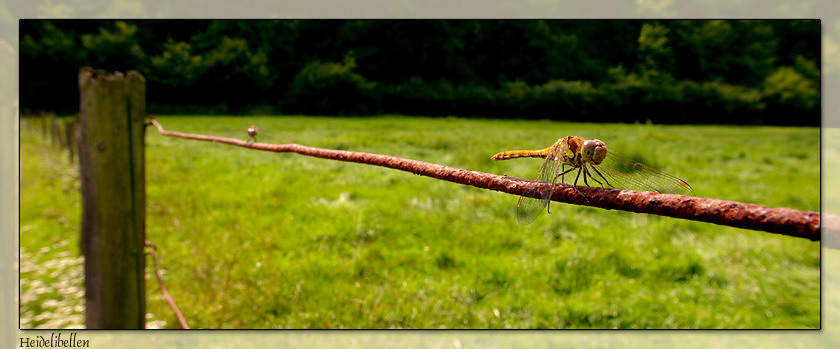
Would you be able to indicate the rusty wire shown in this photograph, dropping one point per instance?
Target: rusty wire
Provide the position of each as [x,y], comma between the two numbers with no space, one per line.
[152,252]
[784,221]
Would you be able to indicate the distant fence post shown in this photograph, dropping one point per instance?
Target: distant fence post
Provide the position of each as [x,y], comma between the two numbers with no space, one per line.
[55,132]
[71,136]
[111,163]
[42,120]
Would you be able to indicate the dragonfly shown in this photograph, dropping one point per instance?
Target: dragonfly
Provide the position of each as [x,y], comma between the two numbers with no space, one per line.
[591,159]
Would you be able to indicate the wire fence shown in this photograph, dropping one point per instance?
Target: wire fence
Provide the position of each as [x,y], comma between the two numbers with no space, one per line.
[61,132]
[153,252]
[784,221]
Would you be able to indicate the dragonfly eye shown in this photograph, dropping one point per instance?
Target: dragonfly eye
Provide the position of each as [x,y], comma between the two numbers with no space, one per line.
[600,154]
[592,143]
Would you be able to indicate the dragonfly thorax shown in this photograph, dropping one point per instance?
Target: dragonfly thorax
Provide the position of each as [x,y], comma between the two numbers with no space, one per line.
[570,148]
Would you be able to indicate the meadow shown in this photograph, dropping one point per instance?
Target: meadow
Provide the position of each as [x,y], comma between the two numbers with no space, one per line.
[251,239]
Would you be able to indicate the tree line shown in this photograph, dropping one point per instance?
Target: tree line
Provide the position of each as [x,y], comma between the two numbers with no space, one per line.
[665,71]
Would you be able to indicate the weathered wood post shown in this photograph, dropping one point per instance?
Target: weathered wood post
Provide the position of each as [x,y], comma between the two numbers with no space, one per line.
[42,119]
[55,133]
[70,137]
[111,159]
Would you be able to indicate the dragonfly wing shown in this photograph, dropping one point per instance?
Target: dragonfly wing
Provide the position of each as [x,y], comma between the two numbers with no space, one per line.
[529,207]
[620,172]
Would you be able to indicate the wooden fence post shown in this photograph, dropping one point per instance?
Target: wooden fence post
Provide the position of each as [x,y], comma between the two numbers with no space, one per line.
[70,137]
[113,198]
[55,133]
[42,119]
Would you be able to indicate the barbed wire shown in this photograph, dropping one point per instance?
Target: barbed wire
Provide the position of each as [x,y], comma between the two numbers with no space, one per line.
[152,252]
[784,221]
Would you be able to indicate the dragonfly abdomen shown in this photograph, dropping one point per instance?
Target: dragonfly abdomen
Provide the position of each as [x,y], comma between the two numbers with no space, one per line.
[513,154]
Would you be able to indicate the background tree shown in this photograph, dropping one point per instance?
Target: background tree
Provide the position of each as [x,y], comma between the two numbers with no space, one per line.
[741,71]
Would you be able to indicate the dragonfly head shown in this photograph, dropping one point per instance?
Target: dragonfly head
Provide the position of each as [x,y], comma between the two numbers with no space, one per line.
[594,150]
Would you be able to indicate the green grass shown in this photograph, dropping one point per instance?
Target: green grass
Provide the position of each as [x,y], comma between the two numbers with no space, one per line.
[251,239]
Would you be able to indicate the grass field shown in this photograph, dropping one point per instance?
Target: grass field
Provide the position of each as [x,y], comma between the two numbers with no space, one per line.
[250,239]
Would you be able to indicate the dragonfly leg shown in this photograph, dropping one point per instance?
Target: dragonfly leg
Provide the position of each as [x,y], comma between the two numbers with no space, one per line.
[584,180]
[592,177]
[553,182]
[564,172]
[602,176]
[585,172]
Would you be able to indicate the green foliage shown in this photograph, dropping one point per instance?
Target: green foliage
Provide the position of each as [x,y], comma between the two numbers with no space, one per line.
[231,61]
[48,52]
[713,102]
[570,99]
[629,70]
[629,97]
[249,239]
[808,68]
[229,72]
[175,66]
[656,58]
[517,95]
[737,52]
[115,49]
[326,87]
[788,87]
[52,42]
[234,73]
